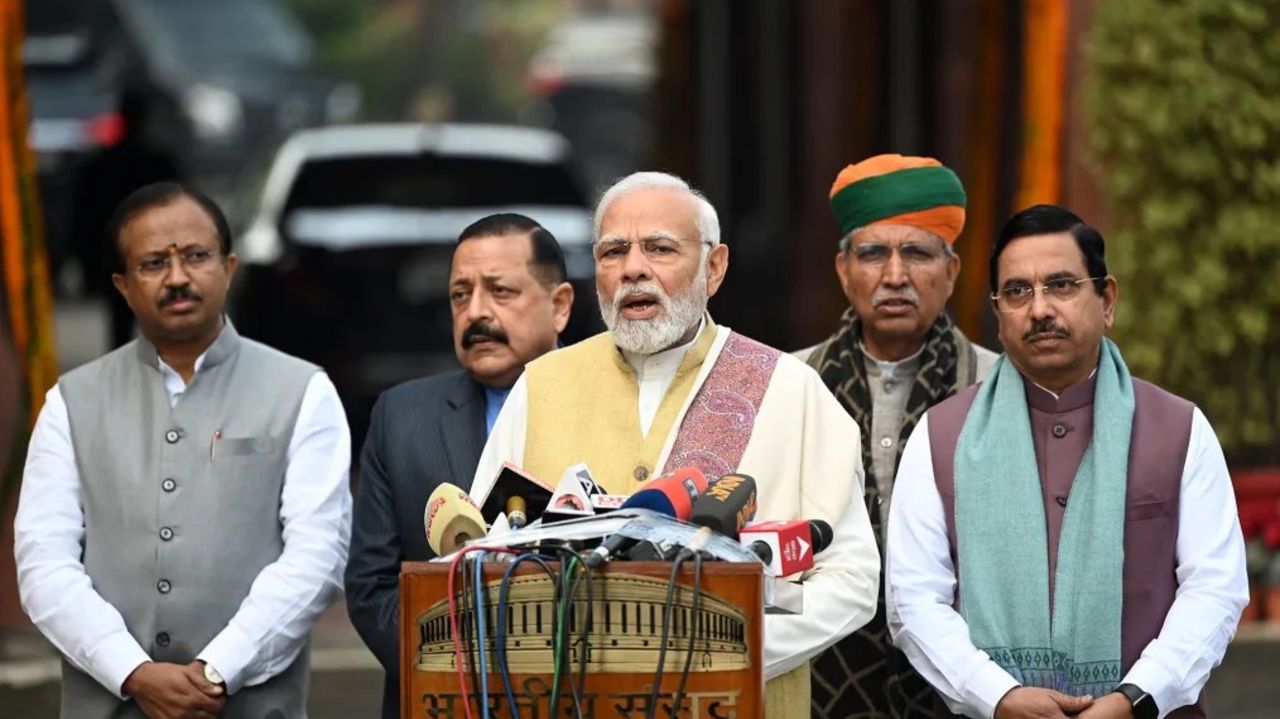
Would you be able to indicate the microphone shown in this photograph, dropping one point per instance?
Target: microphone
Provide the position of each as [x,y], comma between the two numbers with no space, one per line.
[652,551]
[572,498]
[586,481]
[611,546]
[787,546]
[602,503]
[516,517]
[514,483]
[452,519]
[727,505]
[671,494]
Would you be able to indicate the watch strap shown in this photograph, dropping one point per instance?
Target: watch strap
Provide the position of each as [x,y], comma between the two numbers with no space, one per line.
[1144,705]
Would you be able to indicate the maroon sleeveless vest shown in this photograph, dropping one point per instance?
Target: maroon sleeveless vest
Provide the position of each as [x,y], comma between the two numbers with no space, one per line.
[1062,429]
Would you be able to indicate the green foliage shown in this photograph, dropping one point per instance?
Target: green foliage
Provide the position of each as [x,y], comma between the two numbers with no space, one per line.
[1183,103]
[362,42]
[432,59]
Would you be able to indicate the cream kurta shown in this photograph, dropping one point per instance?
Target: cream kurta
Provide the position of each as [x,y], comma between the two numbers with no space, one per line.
[804,453]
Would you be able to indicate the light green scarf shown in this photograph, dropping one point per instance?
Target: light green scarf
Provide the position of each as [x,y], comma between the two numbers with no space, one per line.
[1002,538]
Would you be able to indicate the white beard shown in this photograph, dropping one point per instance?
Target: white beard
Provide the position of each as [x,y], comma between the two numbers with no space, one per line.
[678,314]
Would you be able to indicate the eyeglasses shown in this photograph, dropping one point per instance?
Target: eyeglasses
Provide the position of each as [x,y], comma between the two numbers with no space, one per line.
[657,250]
[1018,296]
[192,259]
[912,253]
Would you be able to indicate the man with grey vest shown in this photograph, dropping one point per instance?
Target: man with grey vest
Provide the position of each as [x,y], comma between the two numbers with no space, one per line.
[184,513]
[1063,538]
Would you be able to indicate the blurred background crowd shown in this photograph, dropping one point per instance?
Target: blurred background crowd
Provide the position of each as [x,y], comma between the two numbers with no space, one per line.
[351,140]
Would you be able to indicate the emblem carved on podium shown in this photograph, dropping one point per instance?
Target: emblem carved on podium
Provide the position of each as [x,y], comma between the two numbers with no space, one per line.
[626,635]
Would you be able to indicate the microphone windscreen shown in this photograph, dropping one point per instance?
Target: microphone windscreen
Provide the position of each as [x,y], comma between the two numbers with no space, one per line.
[671,494]
[727,505]
[451,519]
[822,534]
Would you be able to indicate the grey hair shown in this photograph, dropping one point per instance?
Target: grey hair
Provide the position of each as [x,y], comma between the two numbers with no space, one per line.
[846,243]
[707,220]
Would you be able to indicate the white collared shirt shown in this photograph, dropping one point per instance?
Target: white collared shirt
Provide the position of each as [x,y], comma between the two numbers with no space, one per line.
[654,374]
[920,584]
[273,622]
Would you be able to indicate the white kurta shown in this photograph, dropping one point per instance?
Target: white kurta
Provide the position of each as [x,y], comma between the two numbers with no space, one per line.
[805,455]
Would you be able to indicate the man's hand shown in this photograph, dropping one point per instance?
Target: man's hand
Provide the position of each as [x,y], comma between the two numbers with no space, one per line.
[174,691]
[1033,703]
[1112,706]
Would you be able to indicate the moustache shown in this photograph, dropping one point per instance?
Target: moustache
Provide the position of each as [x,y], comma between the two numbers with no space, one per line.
[482,329]
[1044,327]
[631,289]
[906,294]
[177,294]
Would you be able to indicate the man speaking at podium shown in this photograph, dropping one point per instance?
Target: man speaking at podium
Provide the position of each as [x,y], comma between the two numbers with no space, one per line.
[666,387]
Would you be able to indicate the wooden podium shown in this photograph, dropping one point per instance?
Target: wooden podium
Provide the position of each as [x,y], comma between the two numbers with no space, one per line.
[725,681]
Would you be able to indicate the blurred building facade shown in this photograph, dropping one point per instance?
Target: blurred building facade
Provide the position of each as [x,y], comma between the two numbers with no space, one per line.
[762,103]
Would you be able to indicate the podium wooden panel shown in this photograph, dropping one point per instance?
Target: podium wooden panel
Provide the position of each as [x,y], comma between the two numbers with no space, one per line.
[726,681]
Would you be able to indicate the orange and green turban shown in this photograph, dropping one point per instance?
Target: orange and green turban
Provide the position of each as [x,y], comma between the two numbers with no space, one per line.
[899,190]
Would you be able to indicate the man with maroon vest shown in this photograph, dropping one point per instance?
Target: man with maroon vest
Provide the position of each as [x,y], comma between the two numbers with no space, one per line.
[1063,538]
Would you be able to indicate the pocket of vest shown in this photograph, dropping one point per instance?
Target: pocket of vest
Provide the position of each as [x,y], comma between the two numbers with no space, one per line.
[240,446]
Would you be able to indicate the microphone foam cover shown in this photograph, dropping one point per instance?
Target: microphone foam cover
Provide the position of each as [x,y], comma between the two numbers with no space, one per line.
[822,534]
[451,519]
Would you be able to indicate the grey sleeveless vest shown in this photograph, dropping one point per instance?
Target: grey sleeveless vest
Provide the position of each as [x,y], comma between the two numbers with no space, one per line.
[178,524]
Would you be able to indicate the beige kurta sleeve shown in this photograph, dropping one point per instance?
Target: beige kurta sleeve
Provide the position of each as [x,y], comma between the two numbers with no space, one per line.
[805,454]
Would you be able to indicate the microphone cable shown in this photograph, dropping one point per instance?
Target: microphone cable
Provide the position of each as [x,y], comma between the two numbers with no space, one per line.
[503,611]
[561,642]
[571,559]
[481,632]
[453,615]
[577,688]
[470,623]
[585,638]
[652,709]
[693,631]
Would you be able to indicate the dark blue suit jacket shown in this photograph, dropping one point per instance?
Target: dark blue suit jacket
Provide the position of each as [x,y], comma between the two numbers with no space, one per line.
[422,433]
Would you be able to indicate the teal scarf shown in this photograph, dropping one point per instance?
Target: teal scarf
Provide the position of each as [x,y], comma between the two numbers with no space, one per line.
[1002,538]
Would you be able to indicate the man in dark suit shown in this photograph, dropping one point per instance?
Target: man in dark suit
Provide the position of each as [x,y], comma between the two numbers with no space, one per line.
[510,301]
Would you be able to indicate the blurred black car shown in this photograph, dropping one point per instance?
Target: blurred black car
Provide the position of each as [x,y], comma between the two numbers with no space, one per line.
[77,61]
[223,81]
[242,74]
[346,263]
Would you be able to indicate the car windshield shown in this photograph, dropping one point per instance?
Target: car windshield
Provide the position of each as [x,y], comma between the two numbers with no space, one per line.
[351,203]
[198,33]
[431,181]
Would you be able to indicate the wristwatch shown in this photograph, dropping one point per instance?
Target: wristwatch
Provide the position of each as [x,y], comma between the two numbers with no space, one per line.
[214,677]
[1144,705]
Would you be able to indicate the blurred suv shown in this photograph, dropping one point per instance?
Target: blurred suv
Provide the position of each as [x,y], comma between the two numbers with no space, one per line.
[346,263]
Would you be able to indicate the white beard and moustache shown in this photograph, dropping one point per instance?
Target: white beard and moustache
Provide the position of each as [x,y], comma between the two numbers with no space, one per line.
[679,313]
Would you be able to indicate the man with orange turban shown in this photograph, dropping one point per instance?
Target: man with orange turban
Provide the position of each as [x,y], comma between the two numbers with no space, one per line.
[896,354]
